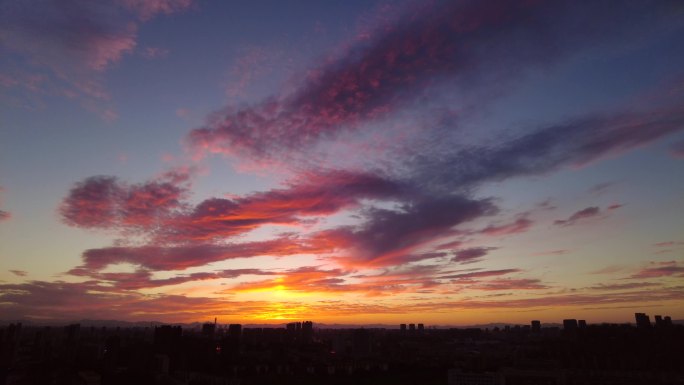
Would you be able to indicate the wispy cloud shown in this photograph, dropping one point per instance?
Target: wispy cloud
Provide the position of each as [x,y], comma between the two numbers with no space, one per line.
[377,76]
[677,150]
[62,48]
[623,286]
[586,214]
[660,269]
[471,255]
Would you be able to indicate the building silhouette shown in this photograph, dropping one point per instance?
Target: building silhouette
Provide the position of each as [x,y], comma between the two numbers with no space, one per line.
[536,326]
[569,324]
[642,320]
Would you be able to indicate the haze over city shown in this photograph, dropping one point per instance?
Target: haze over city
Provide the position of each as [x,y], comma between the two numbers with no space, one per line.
[352,162]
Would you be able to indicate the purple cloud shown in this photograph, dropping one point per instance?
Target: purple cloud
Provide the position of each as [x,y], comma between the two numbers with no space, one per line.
[471,255]
[677,150]
[60,48]
[547,149]
[520,225]
[660,269]
[589,212]
[388,237]
[428,45]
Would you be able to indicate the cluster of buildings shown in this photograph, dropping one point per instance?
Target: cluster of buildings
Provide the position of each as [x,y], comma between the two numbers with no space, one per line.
[300,353]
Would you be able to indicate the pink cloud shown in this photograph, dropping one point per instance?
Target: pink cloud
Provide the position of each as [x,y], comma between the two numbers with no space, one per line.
[147,9]
[158,206]
[660,269]
[105,202]
[154,52]
[386,71]
[62,49]
[185,256]
[519,226]
[19,273]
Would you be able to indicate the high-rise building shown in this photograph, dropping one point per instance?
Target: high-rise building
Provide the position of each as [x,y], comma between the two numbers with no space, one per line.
[659,321]
[208,329]
[421,327]
[402,327]
[642,320]
[234,331]
[307,331]
[569,324]
[582,324]
[536,326]
[412,327]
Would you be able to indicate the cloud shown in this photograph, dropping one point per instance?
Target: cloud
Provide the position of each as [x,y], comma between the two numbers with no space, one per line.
[18,273]
[389,237]
[551,252]
[601,188]
[545,149]
[307,279]
[4,215]
[471,255]
[141,279]
[54,33]
[146,9]
[185,256]
[623,286]
[608,270]
[519,226]
[669,244]
[105,202]
[68,301]
[157,206]
[311,195]
[511,284]
[429,45]
[661,269]
[154,52]
[480,274]
[589,212]
[62,48]
[677,150]
[584,214]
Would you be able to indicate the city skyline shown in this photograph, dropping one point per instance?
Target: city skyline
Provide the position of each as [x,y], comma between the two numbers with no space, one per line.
[365,162]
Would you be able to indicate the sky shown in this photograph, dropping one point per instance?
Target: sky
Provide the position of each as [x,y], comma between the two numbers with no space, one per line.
[356,162]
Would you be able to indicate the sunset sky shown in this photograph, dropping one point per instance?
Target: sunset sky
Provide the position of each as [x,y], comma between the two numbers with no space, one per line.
[351,162]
